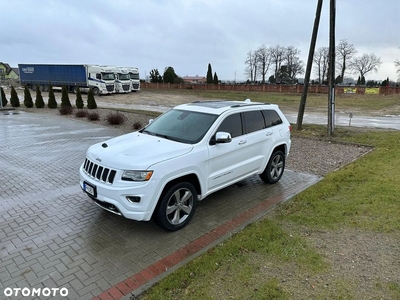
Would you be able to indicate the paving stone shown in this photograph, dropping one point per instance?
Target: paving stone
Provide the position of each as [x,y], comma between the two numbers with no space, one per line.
[51,233]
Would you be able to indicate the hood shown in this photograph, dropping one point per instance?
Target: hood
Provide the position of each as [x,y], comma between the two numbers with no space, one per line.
[136,151]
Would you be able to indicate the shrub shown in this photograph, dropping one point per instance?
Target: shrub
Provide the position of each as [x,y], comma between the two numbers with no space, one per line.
[81,113]
[52,103]
[39,103]
[14,100]
[65,110]
[27,98]
[79,101]
[115,118]
[137,125]
[3,97]
[91,102]
[93,116]
[64,97]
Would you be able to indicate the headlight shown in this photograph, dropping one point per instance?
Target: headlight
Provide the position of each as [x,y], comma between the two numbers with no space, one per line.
[131,175]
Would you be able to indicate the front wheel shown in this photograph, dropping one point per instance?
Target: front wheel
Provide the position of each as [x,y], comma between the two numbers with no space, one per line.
[96,91]
[176,207]
[274,169]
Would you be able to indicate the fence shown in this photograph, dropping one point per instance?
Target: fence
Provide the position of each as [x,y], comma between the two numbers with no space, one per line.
[277,88]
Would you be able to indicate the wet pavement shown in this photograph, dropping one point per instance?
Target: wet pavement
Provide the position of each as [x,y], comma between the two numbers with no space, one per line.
[53,236]
[341,118]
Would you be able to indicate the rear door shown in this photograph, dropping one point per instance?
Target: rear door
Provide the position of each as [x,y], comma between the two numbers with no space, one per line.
[245,154]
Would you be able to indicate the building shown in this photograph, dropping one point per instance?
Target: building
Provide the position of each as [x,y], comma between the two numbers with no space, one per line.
[194,79]
[6,72]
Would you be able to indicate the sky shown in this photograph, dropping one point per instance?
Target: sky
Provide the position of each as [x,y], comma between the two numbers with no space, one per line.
[189,34]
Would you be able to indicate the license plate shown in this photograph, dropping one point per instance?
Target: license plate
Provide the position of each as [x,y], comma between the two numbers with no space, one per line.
[90,189]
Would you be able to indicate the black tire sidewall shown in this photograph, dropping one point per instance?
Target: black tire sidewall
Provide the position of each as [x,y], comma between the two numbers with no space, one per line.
[160,213]
[266,175]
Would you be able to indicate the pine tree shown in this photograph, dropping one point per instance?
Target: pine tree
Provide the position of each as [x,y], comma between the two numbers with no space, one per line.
[215,81]
[27,98]
[52,103]
[362,80]
[79,101]
[39,103]
[359,80]
[14,100]
[209,74]
[3,97]
[91,102]
[65,98]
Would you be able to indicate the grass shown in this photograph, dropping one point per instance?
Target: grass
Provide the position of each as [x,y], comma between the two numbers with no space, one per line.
[347,102]
[361,196]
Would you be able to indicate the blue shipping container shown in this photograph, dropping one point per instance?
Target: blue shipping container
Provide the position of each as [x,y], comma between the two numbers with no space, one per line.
[57,75]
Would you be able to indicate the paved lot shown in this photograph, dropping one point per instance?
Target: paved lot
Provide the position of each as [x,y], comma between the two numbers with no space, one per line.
[53,236]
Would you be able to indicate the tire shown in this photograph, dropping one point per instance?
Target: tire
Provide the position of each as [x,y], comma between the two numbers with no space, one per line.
[274,169]
[176,206]
[96,91]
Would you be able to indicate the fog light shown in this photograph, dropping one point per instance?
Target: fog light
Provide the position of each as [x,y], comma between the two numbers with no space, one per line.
[133,199]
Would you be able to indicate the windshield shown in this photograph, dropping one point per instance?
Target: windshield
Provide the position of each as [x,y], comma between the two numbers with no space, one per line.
[135,76]
[108,76]
[123,76]
[180,125]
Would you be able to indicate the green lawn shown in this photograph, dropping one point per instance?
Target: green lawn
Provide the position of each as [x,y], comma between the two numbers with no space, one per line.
[362,197]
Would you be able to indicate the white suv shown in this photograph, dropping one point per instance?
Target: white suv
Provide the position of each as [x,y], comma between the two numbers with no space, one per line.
[184,155]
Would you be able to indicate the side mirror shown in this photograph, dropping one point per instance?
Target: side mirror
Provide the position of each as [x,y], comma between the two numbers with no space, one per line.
[151,120]
[222,137]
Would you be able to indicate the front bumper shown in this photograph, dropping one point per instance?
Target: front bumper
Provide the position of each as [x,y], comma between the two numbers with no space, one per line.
[113,197]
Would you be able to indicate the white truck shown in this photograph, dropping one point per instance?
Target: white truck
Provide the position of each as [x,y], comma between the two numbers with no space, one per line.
[99,79]
[122,80]
[135,79]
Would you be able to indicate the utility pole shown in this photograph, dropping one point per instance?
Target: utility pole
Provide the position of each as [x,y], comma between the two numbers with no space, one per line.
[332,53]
[309,65]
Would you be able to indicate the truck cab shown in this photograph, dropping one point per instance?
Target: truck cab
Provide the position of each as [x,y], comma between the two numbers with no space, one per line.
[135,79]
[101,79]
[122,80]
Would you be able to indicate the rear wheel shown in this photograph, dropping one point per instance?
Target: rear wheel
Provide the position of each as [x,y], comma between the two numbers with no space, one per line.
[176,207]
[274,169]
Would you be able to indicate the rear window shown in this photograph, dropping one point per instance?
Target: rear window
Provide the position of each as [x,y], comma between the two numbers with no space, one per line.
[253,120]
[271,118]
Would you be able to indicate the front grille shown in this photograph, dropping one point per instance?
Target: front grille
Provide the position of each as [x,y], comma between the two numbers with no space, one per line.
[135,86]
[125,87]
[110,88]
[98,172]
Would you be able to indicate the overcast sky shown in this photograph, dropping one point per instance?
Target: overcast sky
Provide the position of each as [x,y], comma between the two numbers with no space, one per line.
[189,34]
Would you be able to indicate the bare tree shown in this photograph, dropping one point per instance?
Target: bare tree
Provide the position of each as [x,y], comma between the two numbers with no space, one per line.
[344,52]
[321,63]
[294,65]
[397,65]
[263,58]
[277,57]
[365,64]
[251,68]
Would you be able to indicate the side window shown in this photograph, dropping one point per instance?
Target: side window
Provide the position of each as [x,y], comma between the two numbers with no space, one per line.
[232,124]
[271,118]
[253,120]
[98,76]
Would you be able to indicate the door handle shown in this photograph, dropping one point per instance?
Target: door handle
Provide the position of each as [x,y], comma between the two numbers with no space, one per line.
[242,142]
[268,133]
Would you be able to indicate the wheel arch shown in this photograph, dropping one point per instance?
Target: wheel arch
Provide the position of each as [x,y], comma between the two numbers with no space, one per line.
[191,178]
